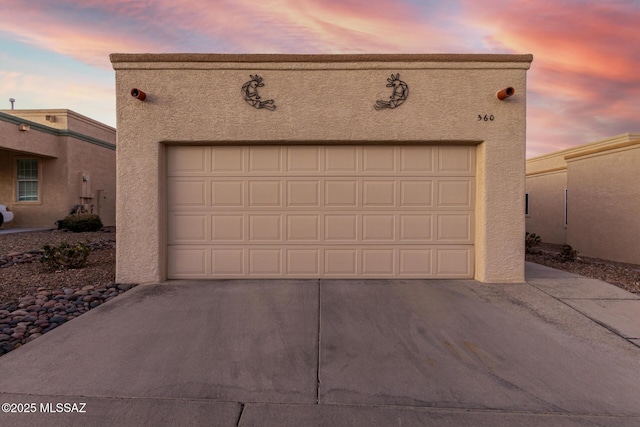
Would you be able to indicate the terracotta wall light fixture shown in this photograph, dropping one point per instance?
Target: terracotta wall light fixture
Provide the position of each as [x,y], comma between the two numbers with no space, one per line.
[505,93]
[138,94]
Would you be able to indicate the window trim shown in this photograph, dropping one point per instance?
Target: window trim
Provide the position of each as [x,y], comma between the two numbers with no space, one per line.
[38,181]
[527,206]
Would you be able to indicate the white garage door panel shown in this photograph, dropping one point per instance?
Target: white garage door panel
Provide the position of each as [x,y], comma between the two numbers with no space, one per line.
[318,211]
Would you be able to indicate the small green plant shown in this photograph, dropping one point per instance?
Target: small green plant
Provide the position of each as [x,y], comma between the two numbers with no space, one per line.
[567,254]
[531,243]
[65,256]
[80,222]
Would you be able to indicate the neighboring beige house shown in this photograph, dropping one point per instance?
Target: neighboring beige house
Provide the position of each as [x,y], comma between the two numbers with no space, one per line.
[588,197]
[52,161]
[320,166]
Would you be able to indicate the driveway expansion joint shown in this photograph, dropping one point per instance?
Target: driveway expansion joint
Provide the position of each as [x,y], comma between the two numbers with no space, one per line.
[599,299]
[565,301]
[319,343]
[242,405]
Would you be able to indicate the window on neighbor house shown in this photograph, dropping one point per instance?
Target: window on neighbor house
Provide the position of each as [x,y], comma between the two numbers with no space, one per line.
[27,180]
[526,204]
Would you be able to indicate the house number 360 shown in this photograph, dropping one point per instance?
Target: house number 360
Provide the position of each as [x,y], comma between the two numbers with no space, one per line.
[485,118]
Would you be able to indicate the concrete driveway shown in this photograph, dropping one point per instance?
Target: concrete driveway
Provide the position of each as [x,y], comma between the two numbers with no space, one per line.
[558,350]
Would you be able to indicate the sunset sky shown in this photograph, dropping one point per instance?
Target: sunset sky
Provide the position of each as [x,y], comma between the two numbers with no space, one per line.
[583,85]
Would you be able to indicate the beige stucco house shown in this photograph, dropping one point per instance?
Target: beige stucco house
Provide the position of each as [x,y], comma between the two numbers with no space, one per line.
[588,197]
[52,161]
[320,166]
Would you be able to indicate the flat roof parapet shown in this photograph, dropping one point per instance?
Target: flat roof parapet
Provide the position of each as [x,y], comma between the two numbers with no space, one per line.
[324,61]
[278,57]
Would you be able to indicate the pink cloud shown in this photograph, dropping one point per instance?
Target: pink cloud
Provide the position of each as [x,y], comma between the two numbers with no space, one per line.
[82,40]
[583,82]
[89,30]
[592,39]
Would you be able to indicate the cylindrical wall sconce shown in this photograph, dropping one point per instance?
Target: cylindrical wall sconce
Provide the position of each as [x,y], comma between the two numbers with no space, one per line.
[505,93]
[138,94]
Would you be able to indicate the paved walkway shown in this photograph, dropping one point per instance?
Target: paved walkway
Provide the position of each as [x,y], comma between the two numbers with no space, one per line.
[559,350]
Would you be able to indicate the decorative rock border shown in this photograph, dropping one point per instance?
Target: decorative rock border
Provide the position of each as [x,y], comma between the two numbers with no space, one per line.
[34,315]
[34,255]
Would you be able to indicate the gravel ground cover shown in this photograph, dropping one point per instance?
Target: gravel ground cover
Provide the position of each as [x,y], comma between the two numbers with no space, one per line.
[35,299]
[25,274]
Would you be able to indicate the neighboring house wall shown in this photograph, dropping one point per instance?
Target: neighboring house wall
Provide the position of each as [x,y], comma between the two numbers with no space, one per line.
[604,201]
[65,146]
[321,100]
[603,191]
[546,205]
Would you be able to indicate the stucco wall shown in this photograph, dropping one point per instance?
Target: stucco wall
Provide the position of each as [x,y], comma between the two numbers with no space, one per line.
[86,126]
[603,183]
[546,205]
[99,164]
[60,185]
[604,204]
[196,99]
[31,141]
[63,119]
[62,156]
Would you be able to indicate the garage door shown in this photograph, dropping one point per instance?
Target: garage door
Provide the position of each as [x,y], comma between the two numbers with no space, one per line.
[320,211]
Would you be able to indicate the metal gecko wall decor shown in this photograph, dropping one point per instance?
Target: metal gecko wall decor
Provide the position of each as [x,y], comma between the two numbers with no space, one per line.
[250,94]
[399,95]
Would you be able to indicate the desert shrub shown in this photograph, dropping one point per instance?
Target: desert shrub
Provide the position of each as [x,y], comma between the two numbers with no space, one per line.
[567,254]
[531,243]
[80,222]
[65,256]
